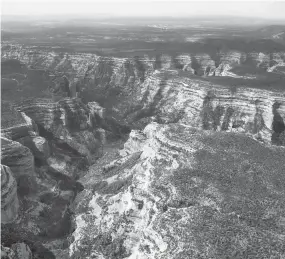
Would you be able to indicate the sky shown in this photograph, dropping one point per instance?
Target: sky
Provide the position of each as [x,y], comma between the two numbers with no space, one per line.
[270,9]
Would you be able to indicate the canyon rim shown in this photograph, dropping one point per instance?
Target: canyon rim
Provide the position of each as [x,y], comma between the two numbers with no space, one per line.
[151,137]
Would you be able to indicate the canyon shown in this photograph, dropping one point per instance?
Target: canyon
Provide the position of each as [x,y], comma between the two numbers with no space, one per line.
[155,156]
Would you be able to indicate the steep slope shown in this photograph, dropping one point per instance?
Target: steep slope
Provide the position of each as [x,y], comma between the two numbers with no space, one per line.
[168,98]
[44,153]
[66,124]
[175,189]
[21,162]
[179,192]
[9,198]
[82,68]
[122,86]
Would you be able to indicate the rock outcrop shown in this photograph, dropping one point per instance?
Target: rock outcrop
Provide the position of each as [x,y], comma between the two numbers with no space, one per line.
[126,71]
[25,131]
[193,186]
[66,126]
[179,192]
[209,106]
[9,197]
[96,109]
[38,145]
[47,151]
[21,162]
[23,127]
[17,251]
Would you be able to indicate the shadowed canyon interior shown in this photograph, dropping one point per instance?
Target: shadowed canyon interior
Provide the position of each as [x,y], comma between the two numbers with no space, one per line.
[142,141]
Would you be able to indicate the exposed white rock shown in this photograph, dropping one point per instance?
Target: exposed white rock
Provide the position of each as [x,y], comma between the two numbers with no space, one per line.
[95,108]
[156,215]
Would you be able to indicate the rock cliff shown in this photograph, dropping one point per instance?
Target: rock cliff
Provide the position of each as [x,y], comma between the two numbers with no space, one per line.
[22,251]
[66,125]
[124,86]
[24,131]
[209,106]
[179,192]
[21,162]
[47,150]
[84,68]
[17,251]
[9,197]
[196,185]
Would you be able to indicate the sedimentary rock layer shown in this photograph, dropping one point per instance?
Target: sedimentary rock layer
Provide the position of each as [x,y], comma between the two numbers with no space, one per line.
[126,71]
[201,104]
[66,121]
[25,127]
[9,197]
[21,162]
[182,193]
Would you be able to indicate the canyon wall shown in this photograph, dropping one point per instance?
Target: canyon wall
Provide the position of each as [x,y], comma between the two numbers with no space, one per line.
[136,91]
[179,178]
[81,68]
[43,154]
[208,106]
[179,192]
[9,197]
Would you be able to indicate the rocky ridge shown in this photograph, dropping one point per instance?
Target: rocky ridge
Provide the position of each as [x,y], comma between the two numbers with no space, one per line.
[211,107]
[176,192]
[42,157]
[84,67]
[143,203]
[66,121]
[139,90]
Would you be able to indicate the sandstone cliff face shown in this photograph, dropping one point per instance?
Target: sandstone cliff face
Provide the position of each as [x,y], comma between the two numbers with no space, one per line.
[25,131]
[122,85]
[164,196]
[64,123]
[9,198]
[207,106]
[21,162]
[179,192]
[83,69]
[47,152]
[22,128]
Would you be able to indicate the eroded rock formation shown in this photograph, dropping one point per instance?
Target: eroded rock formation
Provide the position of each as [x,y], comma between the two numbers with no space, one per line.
[208,106]
[47,150]
[123,71]
[21,162]
[179,192]
[9,197]
[66,125]
[190,185]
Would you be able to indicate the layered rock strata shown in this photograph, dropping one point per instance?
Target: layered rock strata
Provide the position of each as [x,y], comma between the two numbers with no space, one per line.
[25,127]
[47,151]
[21,162]
[208,106]
[81,68]
[66,122]
[25,131]
[182,193]
[9,197]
